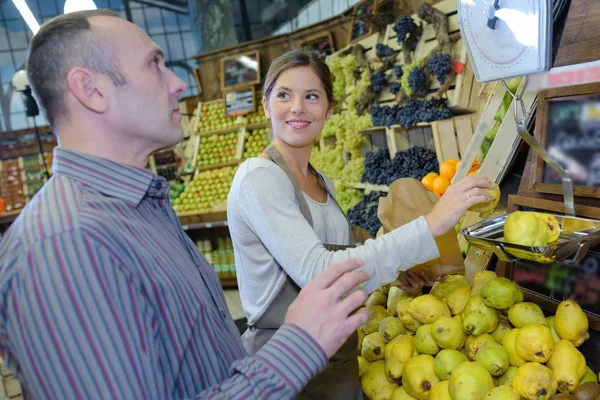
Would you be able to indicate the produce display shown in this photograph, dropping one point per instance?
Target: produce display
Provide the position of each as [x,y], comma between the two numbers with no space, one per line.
[217,149]
[364,213]
[413,112]
[439,182]
[175,190]
[347,197]
[214,118]
[415,162]
[255,141]
[207,191]
[472,341]
[255,117]
[531,228]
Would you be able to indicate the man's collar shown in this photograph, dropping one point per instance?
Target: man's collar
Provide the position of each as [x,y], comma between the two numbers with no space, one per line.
[108,177]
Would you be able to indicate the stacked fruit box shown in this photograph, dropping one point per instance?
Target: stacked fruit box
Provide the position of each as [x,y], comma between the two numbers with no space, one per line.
[11,185]
[255,141]
[32,174]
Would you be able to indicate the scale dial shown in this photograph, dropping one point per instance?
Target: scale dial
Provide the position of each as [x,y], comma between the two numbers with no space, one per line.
[506,38]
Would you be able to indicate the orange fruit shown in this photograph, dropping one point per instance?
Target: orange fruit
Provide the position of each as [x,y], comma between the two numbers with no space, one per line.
[448,169]
[428,180]
[440,184]
[453,161]
[472,172]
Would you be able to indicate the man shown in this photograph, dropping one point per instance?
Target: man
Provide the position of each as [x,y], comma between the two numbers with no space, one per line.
[103,296]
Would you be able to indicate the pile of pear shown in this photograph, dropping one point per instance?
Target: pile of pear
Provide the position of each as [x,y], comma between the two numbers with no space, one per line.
[474,341]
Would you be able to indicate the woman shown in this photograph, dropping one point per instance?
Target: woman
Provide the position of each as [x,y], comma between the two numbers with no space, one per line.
[286,226]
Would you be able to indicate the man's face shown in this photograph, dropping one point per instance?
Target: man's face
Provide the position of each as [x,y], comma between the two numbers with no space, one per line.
[146,108]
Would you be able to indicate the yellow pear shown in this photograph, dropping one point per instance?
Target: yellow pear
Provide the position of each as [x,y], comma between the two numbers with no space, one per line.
[473,343]
[374,380]
[534,342]
[377,298]
[479,279]
[424,342]
[448,332]
[470,381]
[508,376]
[550,321]
[391,327]
[477,318]
[372,347]
[534,381]
[503,393]
[396,354]
[504,326]
[361,337]
[488,205]
[571,323]
[427,309]
[493,357]
[409,322]
[363,365]
[440,391]
[552,225]
[419,376]
[501,293]
[509,344]
[387,392]
[376,315]
[453,282]
[590,376]
[400,394]
[568,365]
[446,361]
[525,229]
[457,299]
[394,293]
[522,314]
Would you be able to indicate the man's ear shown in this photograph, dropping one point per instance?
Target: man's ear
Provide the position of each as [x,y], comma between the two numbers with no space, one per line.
[87,87]
[266,107]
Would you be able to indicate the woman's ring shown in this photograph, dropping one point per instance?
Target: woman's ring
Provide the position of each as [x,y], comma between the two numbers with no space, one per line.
[468,197]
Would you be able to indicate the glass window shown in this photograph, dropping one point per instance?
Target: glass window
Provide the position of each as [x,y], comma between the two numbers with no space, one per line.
[314,12]
[326,9]
[7,69]
[48,8]
[161,41]
[176,46]
[20,57]
[184,22]
[16,33]
[10,11]
[16,103]
[170,19]
[339,6]
[302,19]
[137,15]
[18,121]
[3,39]
[153,20]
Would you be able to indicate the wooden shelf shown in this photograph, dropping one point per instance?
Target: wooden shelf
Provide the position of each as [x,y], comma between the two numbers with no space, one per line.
[223,131]
[222,165]
[194,218]
[228,282]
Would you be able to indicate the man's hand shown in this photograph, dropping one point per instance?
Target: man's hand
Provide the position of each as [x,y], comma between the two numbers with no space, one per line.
[324,307]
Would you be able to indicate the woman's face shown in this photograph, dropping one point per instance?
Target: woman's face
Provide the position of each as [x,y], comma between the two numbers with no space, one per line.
[298,107]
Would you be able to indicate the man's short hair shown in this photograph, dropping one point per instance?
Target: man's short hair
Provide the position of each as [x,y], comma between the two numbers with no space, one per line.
[63,43]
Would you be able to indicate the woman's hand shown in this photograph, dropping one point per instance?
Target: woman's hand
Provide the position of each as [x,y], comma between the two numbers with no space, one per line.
[457,199]
[415,280]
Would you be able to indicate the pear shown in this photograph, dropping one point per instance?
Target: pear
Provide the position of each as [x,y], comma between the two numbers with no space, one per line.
[477,318]
[522,314]
[446,361]
[503,393]
[393,294]
[493,357]
[448,332]
[376,298]
[419,377]
[501,293]
[410,323]
[473,343]
[391,327]
[534,342]
[525,229]
[374,380]
[479,279]
[400,394]
[470,381]
[427,309]
[372,347]
[396,354]
[440,391]
[361,337]
[453,282]
[363,365]
[590,376]
[571,323]
[508,376]
[488,205]
[385,289]
[387,392]
[552,225]
[534,381]
[568,365]
[376,315]
[509,344]
[393,306]
[424,342]
[552,327]
[504,326]
[457,299]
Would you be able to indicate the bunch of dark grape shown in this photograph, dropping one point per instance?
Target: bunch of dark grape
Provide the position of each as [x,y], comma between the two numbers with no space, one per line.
[440,65]
[364,214]
[378,81]
[415,162]
[413,112]
[417,80]
[403,26]
[377,167]
[382,51]
[398,71]
[395,88]
[384,116]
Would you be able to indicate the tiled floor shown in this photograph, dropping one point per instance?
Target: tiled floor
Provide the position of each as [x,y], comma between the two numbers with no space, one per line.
[234,303]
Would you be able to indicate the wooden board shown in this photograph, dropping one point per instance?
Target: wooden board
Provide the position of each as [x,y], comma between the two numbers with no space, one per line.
[444,136]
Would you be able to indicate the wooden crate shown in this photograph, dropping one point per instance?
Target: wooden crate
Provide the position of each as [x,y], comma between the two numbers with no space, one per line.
[452,137]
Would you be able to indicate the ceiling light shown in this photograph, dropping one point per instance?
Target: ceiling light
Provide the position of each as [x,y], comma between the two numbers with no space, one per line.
[79,5]
[27,15]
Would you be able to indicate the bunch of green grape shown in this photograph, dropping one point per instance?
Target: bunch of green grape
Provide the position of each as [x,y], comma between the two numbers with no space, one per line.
[342,69]
[363,83]
[346,196]
[353,170]
[329,161]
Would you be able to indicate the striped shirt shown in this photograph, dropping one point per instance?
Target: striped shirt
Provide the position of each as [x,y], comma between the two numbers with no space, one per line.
[103,296]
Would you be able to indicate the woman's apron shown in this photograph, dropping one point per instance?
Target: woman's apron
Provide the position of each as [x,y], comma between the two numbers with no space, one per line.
[339,380]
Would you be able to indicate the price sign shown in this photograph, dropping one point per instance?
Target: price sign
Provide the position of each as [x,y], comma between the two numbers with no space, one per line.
[240,70]
[240,102]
